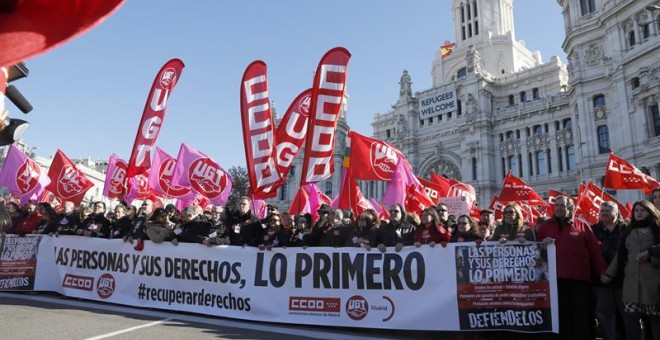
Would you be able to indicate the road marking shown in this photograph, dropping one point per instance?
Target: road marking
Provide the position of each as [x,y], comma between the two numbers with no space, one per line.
[107,335]
[294,330]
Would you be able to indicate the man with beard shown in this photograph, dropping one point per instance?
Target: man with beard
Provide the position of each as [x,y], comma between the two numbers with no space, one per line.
[245,229]
[578,258]
[121,224]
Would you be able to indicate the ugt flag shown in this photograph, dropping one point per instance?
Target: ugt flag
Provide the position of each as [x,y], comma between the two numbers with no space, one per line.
[22,176]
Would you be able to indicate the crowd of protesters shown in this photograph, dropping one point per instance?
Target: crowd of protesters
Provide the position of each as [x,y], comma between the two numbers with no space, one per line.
[610,270]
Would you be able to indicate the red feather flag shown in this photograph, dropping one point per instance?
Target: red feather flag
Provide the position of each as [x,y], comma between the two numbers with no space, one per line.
[153,116]
[258,132]
[325,108]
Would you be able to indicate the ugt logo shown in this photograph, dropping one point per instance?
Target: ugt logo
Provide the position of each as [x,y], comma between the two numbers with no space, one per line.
[383,159]
[206,177]
[28,176]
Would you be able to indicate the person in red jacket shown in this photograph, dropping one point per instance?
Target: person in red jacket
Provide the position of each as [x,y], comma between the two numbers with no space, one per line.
[431,230]
[30,222]
[578,260]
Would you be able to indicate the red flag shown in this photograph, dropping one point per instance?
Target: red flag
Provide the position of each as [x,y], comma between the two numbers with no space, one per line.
[552,197]
[258,132]
[115,178]
[589,200]
[433,190]
[66,181]
[325,108]
[497,207]
[515,190]
[300,203]
[291,132]
[30,28]
[351,197]
[153,116]
[370,158]
[619,174]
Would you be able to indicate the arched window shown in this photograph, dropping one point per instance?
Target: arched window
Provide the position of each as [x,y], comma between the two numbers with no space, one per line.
[567,123]
[523,96]
[535,94]
[634,83]
[603,139]
[461,73]
[599,100]
[512,100]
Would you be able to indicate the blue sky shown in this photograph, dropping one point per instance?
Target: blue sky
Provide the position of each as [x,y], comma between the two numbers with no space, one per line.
[88,95]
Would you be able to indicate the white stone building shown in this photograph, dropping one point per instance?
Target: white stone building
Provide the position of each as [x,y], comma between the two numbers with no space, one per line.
[551,124]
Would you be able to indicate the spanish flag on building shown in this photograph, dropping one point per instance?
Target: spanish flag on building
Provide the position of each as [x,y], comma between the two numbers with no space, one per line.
[446,49]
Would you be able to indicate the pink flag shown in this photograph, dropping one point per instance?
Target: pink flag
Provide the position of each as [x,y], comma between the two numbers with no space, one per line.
[115,178]
[259,208]
[160,177]
[300,203]
[200,173]
[22,176]
[137,187]
[197,200]
[405,189]
[383,213]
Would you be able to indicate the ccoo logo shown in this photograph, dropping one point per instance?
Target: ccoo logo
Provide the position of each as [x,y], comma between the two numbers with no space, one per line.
[383,160]
[207,178]
[27,176]
[357,307]
[105,286]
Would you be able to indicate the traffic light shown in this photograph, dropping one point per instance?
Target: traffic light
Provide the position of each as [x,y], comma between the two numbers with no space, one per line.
[12,129]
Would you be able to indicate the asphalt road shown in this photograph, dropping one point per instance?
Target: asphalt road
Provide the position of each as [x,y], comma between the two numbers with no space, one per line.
[50,316]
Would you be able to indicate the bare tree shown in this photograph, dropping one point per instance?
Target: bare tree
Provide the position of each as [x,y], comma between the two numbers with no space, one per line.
[240,184]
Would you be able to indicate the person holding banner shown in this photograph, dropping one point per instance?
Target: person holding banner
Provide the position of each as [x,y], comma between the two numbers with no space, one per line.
[158,228]
[48,223]
[275,235]
[332,232]
[120,226]
[513,226]
[300,236]
[245,228]
[431,230]
[96,225]
[486,223]
[396,233]
[641,283]
[467,230]
[609,304]
[69,220]
[360,235]
[578,259]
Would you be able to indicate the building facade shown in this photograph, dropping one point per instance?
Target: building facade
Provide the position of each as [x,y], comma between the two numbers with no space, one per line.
[496,107]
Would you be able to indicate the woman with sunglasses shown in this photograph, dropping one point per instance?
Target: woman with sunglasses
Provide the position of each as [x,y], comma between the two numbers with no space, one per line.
[513,226]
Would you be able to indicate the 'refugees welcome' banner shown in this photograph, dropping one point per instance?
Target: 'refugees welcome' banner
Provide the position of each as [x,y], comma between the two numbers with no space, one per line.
[473,287]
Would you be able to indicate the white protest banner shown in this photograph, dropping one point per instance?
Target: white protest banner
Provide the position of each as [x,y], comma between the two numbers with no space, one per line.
[347,287]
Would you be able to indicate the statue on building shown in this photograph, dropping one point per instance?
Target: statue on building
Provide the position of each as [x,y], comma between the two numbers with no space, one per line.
[401,127]
[473,60]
